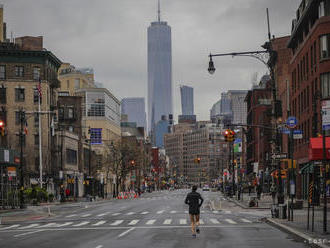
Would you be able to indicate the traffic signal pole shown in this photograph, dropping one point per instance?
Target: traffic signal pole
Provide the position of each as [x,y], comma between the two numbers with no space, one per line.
[21,115]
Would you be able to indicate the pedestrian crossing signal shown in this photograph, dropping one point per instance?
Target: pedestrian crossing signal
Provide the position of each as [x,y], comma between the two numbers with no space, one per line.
[2,128]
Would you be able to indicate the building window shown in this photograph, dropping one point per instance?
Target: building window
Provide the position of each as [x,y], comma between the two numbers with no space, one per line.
[77,83]
[36,139]
[70,113]
[19,71]
[19,95]
[36,163]
[36,73]
[71,156]
[61,114]
[63,93]
[36,96]
[325,84]
[2,72]
[324,46]
[324,8]
[67,84]
[3,95]
[96,136]
[36,120]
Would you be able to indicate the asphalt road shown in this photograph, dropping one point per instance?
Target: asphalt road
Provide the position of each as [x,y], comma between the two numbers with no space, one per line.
[157,219]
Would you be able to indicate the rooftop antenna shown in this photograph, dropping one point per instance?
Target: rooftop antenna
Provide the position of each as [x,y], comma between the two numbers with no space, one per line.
[158,10]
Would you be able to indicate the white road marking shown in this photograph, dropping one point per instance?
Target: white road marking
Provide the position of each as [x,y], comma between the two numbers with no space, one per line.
[29,226]
[124,233]
[99,246]
[183,221]
[81,223]
[115,214]
[23,234]
[160,212]
[230,221]
[186,212]
[145,212]
[48,225]
[214,221]
[117,222]
[65,224]
[173,212]
[72,215]
[215,212]
[167,221]
[227,212]
[201,222]
[99,223]
[133,222]
[99,215]
[202,211]
[130,213]
[86,215]
[9,227]
[150,222]
[247,221]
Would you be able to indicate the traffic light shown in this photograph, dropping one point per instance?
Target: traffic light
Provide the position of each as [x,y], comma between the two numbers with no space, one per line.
[133,162]
[232,135]
[227,135]
[197,160]
[2,128]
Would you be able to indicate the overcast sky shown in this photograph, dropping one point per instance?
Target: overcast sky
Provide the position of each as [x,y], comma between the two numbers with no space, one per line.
[111,37]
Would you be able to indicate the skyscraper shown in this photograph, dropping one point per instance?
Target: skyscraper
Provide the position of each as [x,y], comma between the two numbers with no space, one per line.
[187,100]
[159,71]
[134,108]
[238,105]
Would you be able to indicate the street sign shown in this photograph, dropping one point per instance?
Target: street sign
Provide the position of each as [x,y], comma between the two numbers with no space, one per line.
[284,130]
[326,115]
[279,156]
[291,122]
[297,134]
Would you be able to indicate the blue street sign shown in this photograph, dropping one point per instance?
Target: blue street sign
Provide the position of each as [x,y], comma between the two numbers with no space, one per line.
[297,131]
[291,122]
[284,130]
[326,127]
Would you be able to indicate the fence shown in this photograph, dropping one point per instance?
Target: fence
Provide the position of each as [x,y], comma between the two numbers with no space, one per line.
[9,190]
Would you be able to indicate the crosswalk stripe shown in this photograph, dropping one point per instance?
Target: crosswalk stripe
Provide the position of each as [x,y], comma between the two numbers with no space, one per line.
[215,212]
[186,212]
[130,213]
[9,227]
[99,223]
[160,212]
[81,223]
[167,221]
[202,211]
[230,221]
[150,222]
[99,215]
[72,215]
[145,212]
[117,222]
[201,222]
[173,212]
[183,221]
[48,225]
[247,221]
[86,215]
[29,226]
[214,221]
[133,222]
[115,214]
[64,224]
[227,212]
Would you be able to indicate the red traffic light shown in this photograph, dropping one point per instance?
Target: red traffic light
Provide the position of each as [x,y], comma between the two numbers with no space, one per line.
[2,124]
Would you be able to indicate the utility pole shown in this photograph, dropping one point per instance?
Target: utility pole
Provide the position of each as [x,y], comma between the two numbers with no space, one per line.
[22,119]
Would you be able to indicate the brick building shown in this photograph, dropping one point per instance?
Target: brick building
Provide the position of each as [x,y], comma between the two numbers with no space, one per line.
[310,80]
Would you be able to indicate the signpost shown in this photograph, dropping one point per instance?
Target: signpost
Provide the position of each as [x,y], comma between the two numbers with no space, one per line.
[326,115]
[279,156]
[292,122]
[297,134]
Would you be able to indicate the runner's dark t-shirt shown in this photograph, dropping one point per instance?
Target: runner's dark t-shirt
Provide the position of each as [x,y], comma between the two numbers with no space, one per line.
[192,200]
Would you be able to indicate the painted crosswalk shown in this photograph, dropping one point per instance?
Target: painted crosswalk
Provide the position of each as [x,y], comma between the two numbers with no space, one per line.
[129,222]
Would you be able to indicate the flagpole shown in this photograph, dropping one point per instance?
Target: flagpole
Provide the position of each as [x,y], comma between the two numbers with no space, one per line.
[40,150]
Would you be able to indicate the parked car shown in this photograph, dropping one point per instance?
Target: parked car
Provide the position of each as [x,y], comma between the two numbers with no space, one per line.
[206,188]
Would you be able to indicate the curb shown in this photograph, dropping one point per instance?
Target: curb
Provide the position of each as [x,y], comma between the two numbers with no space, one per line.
[244,206]
[306,239]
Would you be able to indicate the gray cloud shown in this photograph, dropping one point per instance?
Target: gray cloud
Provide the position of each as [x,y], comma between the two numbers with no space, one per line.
[111,37]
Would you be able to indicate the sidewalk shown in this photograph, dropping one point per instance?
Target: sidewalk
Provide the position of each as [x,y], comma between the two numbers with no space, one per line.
[298,226]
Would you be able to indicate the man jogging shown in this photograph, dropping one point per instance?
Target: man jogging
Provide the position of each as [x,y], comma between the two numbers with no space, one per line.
[195,201]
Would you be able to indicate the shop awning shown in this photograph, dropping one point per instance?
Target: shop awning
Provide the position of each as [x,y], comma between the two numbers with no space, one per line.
[315,150]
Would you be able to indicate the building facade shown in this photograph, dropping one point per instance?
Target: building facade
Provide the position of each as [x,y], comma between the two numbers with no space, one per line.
[238,106]
[187,100]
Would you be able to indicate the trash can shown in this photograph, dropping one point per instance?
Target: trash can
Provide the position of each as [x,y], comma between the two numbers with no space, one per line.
[282,211]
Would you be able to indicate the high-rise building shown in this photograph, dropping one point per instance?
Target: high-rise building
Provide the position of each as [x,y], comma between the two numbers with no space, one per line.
[187,100]
[159,72]
[134,108]
[238,106]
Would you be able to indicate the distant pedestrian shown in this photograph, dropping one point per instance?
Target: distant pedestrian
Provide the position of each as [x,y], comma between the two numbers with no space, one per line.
[259,191]
[250,188]
[195,201]
[273,190]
